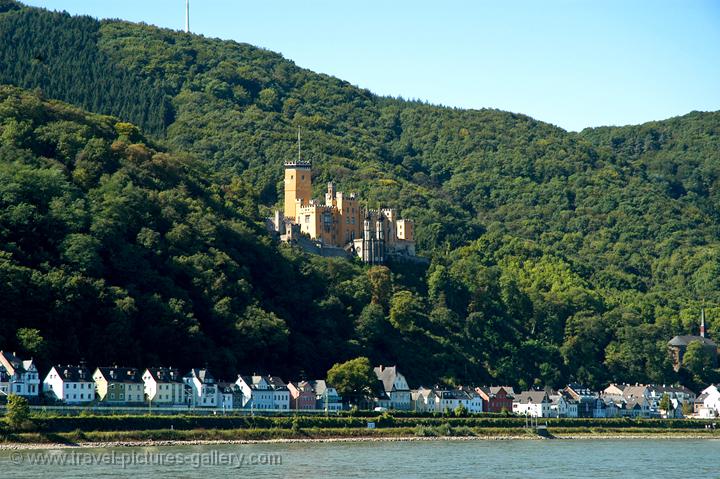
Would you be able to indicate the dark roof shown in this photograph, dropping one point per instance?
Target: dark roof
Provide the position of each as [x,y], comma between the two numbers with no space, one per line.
[203,375]
[685,340]
[275,382]
[379,391]
[535,396]
[73,374]
[13,364]
[671,389]
[120,375]
[228,387]
[387,374]
[165,375]
[580,389]
[492,391]
[453,394]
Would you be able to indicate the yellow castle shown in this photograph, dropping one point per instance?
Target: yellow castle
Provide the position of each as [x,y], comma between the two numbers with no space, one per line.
[339,225]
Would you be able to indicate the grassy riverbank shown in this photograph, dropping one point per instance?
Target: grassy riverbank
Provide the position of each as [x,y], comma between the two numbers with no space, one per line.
[134,430]
[169,437]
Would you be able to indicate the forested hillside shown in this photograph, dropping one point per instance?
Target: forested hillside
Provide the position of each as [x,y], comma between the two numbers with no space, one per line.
[555,255]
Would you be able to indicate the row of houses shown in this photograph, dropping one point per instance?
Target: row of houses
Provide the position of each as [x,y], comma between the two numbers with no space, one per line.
[198,388]
[618,400]
[161,387]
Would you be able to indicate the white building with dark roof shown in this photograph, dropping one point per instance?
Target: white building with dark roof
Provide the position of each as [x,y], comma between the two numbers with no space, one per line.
[18,376]
[164,387]
[202,389]
[532,403]
[707,404]
[396,387]
[69,384]
[326,396]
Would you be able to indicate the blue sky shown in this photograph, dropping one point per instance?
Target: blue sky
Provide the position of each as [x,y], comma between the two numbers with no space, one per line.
[568,62]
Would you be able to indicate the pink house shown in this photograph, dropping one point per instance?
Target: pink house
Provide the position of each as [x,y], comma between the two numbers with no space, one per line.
[302,395]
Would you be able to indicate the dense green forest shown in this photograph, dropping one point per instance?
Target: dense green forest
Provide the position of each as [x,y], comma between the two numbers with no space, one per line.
[555,255]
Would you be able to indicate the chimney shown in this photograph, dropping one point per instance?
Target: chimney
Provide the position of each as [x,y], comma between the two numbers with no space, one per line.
[702,322]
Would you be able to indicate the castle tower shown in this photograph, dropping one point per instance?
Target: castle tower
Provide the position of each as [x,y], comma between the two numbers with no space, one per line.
[298,186]
[380,234]
[368,243]
[330,195]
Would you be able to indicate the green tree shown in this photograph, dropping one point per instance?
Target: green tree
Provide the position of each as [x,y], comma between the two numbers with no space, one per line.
[407,311]
[460,411]
[381,288]
[698,360]
[665,404]
[354,379]
[31,341]
[18,412]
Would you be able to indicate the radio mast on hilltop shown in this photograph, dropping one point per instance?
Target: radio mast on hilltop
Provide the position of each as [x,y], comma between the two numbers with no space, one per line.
[187,16]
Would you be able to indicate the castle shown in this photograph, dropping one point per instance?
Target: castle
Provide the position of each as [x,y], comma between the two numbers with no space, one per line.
[339,226]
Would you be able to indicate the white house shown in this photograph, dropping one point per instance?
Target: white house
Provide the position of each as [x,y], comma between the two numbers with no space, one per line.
[256,392]
[326,396]
[532,403]
[18,376]
[203,391]
[474,403]
[69,384]
[164,387]
[396,387]
[423,399]
[707,404]
[281,393]
[562,405]
[231,396]
[451,399]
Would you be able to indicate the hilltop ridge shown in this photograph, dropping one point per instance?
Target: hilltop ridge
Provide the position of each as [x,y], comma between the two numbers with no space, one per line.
[555,255]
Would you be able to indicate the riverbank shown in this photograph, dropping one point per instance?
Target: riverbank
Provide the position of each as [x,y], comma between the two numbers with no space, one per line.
[97,439]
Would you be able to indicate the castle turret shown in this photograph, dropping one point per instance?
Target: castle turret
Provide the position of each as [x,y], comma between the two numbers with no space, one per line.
[298,186]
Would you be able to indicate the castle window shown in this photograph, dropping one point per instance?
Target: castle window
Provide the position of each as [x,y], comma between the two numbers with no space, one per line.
[303,177]
[307,218]
[291,177]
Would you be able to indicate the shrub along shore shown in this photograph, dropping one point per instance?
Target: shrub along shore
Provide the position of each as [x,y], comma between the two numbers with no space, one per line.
[164,430]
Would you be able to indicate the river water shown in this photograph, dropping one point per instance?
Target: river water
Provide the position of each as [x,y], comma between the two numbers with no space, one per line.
[629,458]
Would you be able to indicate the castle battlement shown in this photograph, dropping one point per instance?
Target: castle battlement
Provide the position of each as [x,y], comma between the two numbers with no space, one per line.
[315,206]
[298,164]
